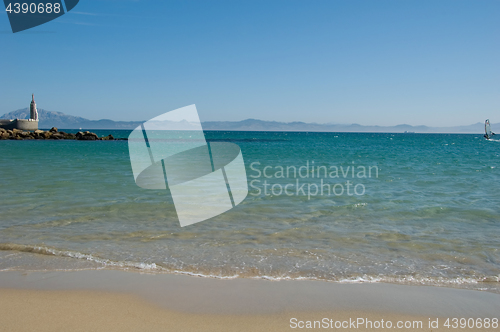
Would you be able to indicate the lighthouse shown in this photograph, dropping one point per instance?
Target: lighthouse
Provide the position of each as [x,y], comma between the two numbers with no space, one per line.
[30,124]
[33,111]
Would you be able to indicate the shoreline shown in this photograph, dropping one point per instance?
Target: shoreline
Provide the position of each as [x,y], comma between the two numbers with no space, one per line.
[40,259]
[188,302]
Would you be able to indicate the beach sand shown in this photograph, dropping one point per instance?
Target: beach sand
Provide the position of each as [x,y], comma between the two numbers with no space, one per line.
[108,300]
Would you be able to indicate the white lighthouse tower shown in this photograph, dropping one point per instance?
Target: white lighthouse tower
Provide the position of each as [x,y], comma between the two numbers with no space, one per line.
[33,111]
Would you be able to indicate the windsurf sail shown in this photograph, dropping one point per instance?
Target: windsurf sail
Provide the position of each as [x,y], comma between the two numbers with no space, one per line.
[487,129]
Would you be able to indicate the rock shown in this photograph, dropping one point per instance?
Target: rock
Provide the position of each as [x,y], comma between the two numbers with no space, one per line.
[107,138]
[38,134]
[53,130]
[57,135]
[86,136]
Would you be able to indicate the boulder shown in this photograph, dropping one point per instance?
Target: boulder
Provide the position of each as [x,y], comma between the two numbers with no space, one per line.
[86,136]
[56,135]
[53,130]
[107,138]
[38,134]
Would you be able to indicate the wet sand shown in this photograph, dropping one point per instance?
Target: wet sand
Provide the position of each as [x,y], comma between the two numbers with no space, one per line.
[109,300]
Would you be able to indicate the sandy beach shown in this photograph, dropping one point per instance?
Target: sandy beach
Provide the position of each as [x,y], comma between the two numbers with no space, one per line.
[109,300]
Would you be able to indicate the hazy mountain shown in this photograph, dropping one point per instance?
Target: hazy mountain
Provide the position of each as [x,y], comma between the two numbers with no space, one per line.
[50,119]
[60,120]
[259,125]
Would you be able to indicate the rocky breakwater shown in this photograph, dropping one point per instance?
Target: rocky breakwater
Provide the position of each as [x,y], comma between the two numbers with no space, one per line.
[16,134]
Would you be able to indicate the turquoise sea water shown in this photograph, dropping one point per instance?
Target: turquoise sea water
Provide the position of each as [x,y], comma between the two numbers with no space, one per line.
[428,213]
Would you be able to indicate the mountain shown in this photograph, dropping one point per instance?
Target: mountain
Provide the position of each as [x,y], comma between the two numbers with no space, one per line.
[60,120]
[259,125]
[50,119]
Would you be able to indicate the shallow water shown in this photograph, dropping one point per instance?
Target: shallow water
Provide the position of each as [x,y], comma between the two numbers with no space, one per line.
[428,213]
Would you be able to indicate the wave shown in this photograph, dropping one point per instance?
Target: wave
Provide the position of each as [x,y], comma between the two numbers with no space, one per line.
[78,255]
[477,282]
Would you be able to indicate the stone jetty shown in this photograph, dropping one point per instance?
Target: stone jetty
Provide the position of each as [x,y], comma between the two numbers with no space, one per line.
[54,134]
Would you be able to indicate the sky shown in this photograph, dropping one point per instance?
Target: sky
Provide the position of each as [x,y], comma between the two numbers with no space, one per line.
[377,62]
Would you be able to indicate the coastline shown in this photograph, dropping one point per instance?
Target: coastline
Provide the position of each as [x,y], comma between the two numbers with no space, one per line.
[118,300]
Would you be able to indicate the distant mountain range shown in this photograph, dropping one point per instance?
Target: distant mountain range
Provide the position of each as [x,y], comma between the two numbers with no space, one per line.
[60,120]
[259,125]
[50,119]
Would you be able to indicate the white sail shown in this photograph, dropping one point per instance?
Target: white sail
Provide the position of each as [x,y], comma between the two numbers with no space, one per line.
[487,128]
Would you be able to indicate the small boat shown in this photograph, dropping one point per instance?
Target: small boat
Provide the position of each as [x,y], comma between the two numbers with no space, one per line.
[487,129]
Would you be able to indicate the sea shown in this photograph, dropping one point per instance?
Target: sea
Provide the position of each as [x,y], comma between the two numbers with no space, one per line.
[417,209]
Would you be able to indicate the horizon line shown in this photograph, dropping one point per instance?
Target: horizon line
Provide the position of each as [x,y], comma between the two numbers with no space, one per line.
[280,122]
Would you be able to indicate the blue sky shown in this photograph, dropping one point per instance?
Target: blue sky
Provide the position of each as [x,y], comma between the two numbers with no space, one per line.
[369,62]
